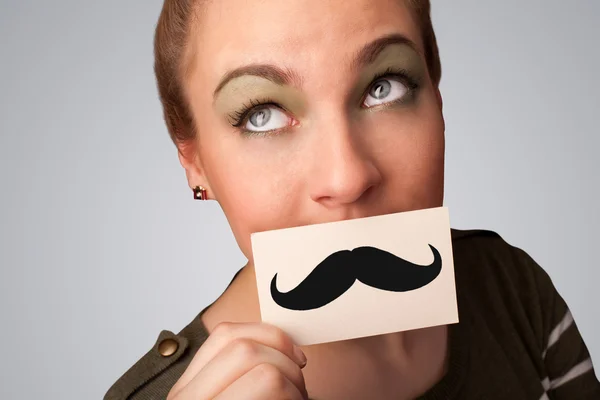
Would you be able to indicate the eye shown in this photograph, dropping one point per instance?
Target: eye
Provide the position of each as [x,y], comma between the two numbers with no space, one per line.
[384,91]
[267,119]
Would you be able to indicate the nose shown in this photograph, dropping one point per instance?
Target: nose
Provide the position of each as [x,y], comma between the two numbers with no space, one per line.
[344,171]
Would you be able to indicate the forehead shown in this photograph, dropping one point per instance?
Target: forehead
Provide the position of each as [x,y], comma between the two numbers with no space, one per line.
[306,35]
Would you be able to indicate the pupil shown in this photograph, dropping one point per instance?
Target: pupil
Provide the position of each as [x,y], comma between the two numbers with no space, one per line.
[381,90]
[260,118]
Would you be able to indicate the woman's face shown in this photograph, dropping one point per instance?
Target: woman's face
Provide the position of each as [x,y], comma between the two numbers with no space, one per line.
[312,111]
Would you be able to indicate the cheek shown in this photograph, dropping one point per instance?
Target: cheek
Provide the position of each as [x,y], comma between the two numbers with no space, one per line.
[255,196]
[410,153]
[427,175]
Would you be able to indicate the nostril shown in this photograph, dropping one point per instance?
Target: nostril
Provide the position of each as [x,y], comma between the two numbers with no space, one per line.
[370,191]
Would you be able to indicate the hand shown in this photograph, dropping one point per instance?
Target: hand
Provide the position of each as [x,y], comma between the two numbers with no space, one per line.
[249,361]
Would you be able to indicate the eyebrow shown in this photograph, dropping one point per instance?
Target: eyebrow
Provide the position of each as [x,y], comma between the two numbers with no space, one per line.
[279,76]
[370,51]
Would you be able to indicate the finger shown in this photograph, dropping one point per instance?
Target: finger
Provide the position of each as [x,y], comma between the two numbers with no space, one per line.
[237,359]
[225,333]
[262,382]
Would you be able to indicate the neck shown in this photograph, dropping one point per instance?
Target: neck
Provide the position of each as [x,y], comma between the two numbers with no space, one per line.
[239,302]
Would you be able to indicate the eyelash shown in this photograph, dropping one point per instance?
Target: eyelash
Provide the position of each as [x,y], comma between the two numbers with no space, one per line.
[240,116]
[401,74]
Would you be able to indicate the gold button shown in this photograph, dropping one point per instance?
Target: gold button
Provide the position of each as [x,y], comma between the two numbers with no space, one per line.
[168,347]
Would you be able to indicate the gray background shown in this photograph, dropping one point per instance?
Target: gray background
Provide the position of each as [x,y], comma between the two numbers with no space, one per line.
[102,246]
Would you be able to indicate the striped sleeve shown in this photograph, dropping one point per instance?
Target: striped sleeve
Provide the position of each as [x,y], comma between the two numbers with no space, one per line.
[567,361]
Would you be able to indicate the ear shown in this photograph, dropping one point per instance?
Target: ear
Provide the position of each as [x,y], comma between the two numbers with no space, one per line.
[190,161]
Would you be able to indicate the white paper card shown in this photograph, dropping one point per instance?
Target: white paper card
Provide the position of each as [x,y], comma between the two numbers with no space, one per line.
[399,276]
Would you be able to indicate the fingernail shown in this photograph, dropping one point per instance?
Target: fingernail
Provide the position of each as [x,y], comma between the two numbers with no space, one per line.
[300,356]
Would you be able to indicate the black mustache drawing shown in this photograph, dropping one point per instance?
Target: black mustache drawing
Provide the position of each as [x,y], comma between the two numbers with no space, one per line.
[377,268]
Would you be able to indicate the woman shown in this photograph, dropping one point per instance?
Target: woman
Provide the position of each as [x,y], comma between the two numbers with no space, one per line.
[291,113]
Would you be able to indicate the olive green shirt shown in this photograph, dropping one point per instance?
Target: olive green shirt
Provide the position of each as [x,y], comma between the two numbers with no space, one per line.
[516,338]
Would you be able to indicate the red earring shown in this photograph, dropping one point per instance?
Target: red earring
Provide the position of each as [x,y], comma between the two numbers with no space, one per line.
[199,193]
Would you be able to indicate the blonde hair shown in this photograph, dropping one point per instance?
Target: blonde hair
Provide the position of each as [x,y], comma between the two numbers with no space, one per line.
[170,40]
